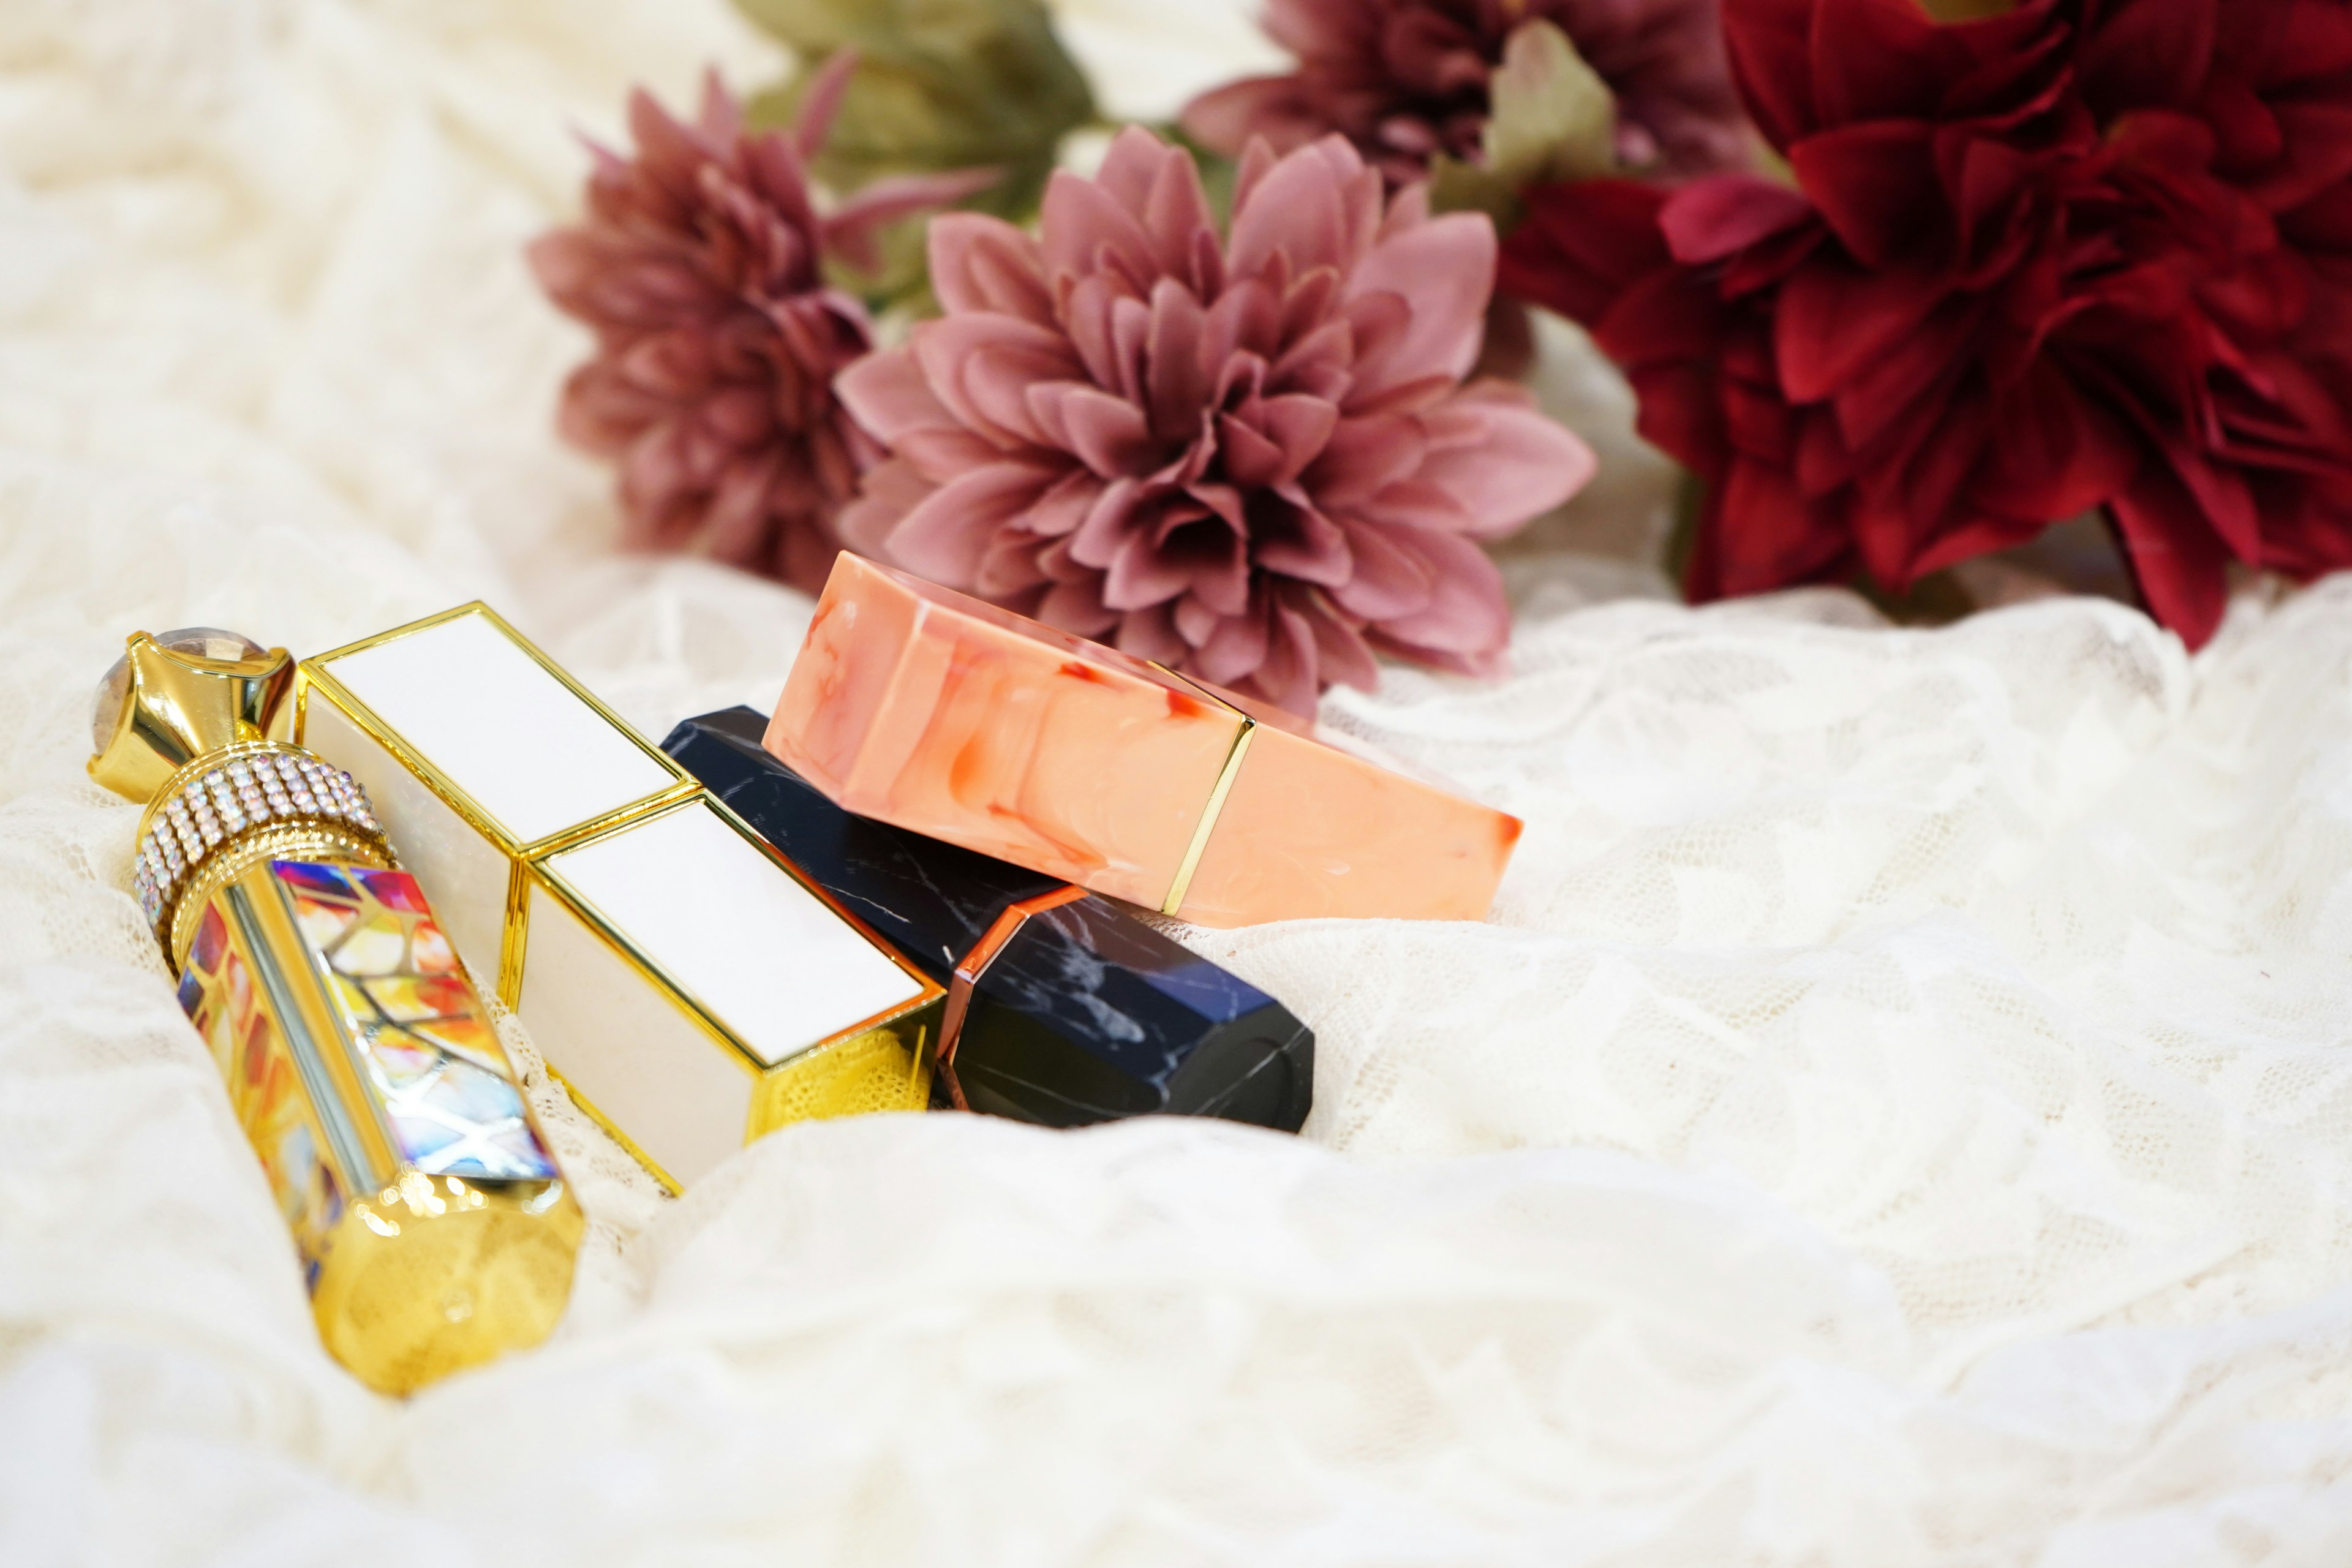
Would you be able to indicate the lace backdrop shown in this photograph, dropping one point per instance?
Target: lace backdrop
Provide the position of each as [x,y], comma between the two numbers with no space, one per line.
[1901,1114]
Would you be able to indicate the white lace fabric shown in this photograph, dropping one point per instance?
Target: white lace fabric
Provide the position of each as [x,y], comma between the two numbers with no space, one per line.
[1900,1114]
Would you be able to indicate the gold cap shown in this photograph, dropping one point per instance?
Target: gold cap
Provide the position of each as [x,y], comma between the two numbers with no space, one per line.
[184,695]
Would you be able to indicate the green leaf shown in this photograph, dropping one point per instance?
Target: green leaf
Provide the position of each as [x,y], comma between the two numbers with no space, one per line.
[1550,117]
[940,84]
[1456,187]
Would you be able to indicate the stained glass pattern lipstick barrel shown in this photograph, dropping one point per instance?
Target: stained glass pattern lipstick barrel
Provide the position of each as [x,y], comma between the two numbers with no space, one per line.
[433,1227]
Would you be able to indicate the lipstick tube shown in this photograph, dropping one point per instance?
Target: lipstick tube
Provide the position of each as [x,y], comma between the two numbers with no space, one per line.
[434,1229]
[959,720]
[1062,1008]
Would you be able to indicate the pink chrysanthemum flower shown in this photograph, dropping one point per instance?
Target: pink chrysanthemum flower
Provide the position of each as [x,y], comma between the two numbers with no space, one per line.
[700,266]
[1253,461]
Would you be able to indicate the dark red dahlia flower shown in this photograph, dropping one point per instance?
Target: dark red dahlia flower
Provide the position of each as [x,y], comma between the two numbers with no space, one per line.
[2088,254]
[1407,79]
[1252,458]
[700,267]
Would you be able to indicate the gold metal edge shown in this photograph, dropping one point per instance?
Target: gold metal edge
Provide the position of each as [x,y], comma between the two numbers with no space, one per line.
[378,639]
[644,963]
[287,723]
[177,682]
[611,1130]
[926,987]
[367,722]
[668,764]
[613,821]
[682,784]
[514,934]
[649,969]
[1207,825]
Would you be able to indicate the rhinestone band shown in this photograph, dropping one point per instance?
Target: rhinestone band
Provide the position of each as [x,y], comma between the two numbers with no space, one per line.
[254,790]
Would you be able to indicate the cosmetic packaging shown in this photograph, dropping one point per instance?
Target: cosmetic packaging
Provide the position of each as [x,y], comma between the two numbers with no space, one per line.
[689,986]
[434,1229]
[948,716]
[1063,1007]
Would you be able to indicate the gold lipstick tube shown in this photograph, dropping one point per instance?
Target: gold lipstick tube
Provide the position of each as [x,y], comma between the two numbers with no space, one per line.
[433,1227]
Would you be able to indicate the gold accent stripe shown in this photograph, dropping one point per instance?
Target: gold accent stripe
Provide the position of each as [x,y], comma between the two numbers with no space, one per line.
[1183,883]
[549,875]
[611,1130]
[613,821]
[1209,814]
[309,678]
[315,671]
[514,935]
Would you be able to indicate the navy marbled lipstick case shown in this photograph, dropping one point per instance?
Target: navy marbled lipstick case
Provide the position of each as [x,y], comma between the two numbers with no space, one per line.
[1087,1015]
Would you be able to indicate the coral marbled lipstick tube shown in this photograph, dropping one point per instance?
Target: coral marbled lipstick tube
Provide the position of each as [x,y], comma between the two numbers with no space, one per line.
[433,1227]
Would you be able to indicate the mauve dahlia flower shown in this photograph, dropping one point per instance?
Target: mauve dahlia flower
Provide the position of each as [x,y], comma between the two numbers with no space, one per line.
[717,338]
[1253,461]
[1407,79]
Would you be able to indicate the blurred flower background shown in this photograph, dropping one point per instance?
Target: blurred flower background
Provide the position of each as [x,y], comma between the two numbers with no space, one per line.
[725,306]
[1951,305]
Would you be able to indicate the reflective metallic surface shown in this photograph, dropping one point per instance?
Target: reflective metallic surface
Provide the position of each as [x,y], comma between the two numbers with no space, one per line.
[434,1229]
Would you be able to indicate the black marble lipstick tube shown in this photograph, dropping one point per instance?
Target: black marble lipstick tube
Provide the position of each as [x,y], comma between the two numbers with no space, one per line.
[1064,1008]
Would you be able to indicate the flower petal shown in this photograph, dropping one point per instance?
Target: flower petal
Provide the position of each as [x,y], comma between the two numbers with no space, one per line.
[1445,271]
[981,263]
[1522,464]
[888,393]
[946,535]
[2180,563]
[1107,433]
[1299,211]
[885,497]
[1394,576]
[1304,544]
[1464,613]
[979,365]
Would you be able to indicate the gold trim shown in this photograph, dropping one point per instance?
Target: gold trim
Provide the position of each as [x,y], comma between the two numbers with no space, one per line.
[611,1130]
[286,723]
[379,638]
[313,835]
[613,821]
[1235,755]
[373,725]
[926,989]
[178,707]
[514,934]
[1181,884]
[363,719]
